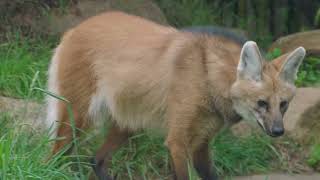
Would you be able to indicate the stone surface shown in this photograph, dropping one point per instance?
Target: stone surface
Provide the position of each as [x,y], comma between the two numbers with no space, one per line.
[28,112]
[302,119]
[304,99]
[280,177]
[309,40]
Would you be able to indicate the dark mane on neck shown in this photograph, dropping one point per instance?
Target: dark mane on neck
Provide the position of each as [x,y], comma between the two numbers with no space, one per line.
[218,31]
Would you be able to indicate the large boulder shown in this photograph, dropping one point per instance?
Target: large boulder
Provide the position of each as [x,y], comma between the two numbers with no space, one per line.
[302,120]
[28,112]
[278,176]
[309,40]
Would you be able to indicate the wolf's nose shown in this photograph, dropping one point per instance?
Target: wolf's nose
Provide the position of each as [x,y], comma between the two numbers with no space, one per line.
[277,131]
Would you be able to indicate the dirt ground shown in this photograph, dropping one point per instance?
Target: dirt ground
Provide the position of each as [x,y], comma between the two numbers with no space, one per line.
[280,177]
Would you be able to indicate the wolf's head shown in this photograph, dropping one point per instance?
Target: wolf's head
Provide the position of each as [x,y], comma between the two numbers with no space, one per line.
[263,90]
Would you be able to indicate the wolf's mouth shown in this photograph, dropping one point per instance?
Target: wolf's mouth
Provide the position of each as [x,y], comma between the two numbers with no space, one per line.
[266,131]
[259,120]
[260,123]
[260,126]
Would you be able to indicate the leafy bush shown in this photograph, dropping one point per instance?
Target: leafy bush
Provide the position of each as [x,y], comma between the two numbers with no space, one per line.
[276,52]
[314,157]
[309,71]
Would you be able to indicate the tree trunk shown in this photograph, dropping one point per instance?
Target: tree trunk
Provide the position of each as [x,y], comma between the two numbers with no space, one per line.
[251,20]
[280,18]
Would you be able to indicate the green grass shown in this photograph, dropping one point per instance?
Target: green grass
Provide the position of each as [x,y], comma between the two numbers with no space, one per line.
[240,156]
[314,156]
[189,12]
[23,65]
[24,152]
[309,72]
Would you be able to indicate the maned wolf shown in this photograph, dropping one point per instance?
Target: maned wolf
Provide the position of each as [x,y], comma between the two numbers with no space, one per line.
[147,76]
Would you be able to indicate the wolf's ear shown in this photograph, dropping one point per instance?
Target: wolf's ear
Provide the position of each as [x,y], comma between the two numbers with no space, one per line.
[289,68]
[250,64]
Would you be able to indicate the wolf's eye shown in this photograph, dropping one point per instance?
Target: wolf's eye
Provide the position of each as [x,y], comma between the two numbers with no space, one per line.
[284,104]
[263,104]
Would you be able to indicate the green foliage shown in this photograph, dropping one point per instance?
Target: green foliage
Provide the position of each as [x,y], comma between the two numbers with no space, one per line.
[232,156]
[239,156]
[24,152]
[276,52]
[188,12]
[317,18]
[314,157]
[264,41]
[145,157]
[23,65]
[309,72]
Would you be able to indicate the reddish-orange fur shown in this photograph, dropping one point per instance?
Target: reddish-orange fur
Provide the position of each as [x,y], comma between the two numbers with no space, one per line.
[154,77]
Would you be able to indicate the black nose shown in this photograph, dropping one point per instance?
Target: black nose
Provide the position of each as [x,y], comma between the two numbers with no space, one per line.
[277,131]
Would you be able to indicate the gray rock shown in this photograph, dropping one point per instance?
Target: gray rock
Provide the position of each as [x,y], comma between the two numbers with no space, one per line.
[28,112]
[302,120]
[280,177]
[309,40]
